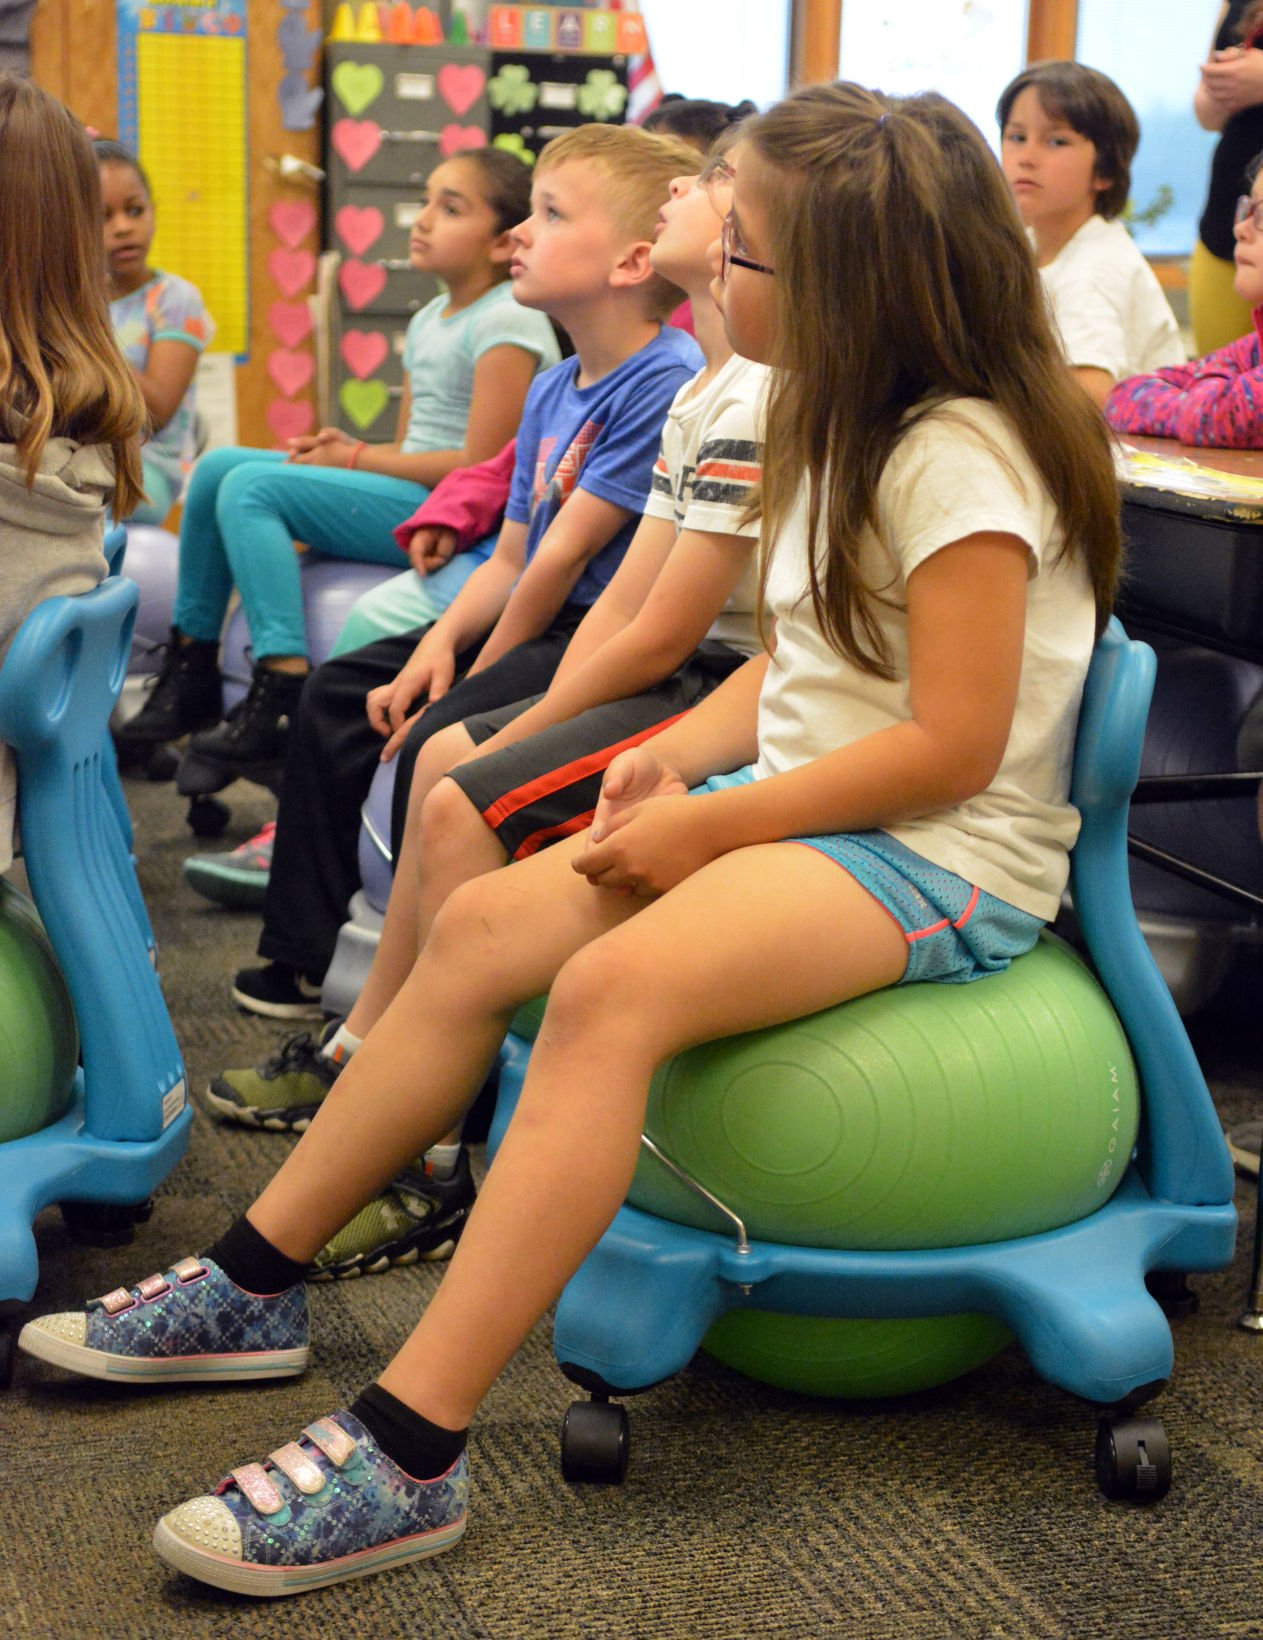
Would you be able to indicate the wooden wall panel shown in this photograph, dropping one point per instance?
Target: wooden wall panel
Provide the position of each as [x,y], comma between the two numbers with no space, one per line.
[73,55]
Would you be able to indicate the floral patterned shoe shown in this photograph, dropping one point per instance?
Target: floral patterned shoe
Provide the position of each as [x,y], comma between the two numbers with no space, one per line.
[323,1509]
[191,1326]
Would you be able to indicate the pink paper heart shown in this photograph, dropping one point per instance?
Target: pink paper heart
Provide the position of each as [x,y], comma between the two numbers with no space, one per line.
[291,271]
[460,85]
[291,220]
[290,371]
[363,351]
[356,141]
[361,282]
[455,137]
[358,227]
[289,419]
[290,322]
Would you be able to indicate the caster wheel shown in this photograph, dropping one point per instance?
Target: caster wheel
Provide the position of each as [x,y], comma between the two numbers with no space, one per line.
[595,1440]
[8,1351]
[208,816]
[105,1224]
[1133,1459]
[1172,1291]
[162,763]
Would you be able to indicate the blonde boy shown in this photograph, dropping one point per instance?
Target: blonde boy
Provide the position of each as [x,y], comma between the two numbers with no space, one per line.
[585,455]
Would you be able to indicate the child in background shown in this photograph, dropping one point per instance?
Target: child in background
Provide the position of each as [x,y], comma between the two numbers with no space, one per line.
[929,470]
[1217,400]
[676,620]
[469,358]
[71,414]
[161,324]
[1067,140]
[584,462]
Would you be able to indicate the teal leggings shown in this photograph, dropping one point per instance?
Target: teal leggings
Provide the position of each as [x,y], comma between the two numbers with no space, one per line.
[244,510]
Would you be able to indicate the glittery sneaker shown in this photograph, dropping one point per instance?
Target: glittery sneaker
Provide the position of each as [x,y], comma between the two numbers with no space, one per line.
[191,1326]
[417,1218]
[238,878]
[325,1508]
[284,1092]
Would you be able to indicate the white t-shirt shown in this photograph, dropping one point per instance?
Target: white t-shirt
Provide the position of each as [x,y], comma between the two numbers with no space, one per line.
[710,460]
[1108,306]
[960,470]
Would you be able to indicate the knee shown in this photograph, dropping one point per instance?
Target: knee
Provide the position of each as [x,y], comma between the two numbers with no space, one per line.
[599,992]
[444,817]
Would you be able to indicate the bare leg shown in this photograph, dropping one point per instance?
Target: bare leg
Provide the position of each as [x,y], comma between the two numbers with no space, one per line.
[401,940]
[758,936]
[417,1072]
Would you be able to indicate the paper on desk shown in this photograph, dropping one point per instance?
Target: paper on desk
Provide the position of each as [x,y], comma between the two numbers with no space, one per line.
[1184,477]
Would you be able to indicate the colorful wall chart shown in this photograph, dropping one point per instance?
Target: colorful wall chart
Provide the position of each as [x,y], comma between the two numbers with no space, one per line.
[182,107]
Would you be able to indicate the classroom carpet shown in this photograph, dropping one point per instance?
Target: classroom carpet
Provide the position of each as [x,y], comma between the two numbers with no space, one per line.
[967,1512]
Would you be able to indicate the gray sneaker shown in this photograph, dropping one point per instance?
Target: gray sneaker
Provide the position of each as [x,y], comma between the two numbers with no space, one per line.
[1243,1146]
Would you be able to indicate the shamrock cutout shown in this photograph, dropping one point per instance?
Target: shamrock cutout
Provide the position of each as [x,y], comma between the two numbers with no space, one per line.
[600,96]
[513,91]
[513,143]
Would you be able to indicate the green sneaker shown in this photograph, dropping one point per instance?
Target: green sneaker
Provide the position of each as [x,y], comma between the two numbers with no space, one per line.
[417,1218]
[284,1092]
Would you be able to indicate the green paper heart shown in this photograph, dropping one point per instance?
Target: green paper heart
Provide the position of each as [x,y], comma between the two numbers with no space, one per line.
[357,85]
[363,401]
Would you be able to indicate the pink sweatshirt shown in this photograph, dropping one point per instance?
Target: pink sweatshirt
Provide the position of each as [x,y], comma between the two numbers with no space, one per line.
[1216,400]
[470,500]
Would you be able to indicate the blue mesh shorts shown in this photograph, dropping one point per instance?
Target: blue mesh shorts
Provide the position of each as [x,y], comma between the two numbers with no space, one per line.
[956,932]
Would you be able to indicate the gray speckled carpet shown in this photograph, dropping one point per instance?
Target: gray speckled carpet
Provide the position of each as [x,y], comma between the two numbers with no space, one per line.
[746,1512]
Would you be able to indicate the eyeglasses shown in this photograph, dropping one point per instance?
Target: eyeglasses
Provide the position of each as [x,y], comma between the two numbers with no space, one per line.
[730,259]
[715,170]
[1253,208]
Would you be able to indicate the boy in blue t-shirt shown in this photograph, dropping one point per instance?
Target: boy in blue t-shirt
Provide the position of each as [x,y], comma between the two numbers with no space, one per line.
[585,453]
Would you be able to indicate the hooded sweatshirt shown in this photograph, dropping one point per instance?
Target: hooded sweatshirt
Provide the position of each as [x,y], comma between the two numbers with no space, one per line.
[51,538]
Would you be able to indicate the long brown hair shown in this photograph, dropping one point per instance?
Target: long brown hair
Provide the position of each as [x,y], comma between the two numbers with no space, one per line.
[903,278]
[61,373]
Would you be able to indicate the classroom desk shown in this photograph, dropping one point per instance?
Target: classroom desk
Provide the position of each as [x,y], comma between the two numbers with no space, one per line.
[1195,564]
[1194,572]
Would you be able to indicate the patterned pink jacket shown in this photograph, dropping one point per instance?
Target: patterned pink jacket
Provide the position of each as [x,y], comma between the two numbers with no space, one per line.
[1217,400]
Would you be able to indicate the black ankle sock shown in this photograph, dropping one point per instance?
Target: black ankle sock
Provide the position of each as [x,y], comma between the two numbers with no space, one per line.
[252,1262]
[420,1448]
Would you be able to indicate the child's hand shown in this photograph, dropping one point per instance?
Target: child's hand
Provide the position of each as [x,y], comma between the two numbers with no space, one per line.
[631,778]
[330,447]
[655,845]
[427,676]
[430,549]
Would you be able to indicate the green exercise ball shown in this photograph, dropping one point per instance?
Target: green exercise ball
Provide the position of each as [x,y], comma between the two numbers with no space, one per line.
[919,1117]
[39,1041]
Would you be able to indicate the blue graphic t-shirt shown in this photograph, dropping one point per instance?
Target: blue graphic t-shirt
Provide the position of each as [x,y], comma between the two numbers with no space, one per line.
[603,439]
[165,309]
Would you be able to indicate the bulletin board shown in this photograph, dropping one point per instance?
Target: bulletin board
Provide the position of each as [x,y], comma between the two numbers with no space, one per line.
[182,107]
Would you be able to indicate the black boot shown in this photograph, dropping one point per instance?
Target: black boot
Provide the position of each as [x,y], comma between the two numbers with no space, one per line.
[186,694]
[255,734]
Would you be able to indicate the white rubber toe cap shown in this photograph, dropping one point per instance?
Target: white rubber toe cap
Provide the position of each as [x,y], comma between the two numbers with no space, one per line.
[70,1327]
[206,1524]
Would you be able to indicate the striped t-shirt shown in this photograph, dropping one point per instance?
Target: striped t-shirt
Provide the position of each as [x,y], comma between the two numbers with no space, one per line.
[709,462]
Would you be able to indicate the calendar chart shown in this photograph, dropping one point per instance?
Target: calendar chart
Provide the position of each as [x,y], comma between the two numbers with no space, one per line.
[182,106]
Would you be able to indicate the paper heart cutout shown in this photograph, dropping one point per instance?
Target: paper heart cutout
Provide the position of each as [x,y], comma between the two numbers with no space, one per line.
[291,220]
[358,227]
[290,322]
[363,401]
[355,142]
[357,85]
[360,282]
[453,138]
[291,271]
[363,351]
[460,85]
[290,371]
[289,418]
